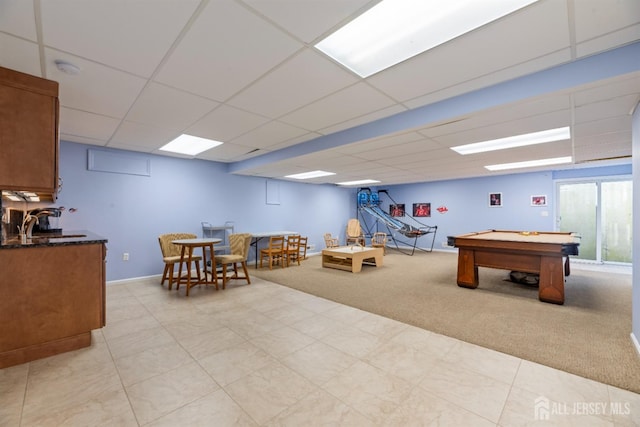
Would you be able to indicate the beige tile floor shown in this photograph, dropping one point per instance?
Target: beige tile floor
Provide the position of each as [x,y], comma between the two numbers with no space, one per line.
[267,355]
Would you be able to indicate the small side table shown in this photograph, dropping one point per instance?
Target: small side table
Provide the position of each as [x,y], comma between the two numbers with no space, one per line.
[186,256]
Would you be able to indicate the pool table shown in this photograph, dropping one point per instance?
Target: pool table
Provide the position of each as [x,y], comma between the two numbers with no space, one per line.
[544,253]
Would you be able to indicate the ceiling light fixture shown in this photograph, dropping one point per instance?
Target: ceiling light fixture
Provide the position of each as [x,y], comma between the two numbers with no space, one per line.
[309,175]
[67,67]
[190,145]
[395,30]
[360,182]
[534,138]
[530,163]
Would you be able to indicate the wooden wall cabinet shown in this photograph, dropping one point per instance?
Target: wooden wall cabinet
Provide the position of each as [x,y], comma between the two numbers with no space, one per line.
[51,298]
[29,111]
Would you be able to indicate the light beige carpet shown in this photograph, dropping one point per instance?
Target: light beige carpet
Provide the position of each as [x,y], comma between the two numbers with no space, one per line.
[589,335]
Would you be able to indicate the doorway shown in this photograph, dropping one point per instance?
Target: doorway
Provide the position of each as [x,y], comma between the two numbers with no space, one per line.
[600,211]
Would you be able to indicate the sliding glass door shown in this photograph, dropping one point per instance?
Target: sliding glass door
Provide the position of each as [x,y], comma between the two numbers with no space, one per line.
[600,212]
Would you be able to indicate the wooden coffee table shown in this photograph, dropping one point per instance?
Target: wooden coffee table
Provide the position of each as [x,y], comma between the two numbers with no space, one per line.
[350,258]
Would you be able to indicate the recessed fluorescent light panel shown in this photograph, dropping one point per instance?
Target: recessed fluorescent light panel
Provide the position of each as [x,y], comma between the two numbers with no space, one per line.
[309,175]
[395,30]
[530,163]
[534,138]
[361,182]
[190,145]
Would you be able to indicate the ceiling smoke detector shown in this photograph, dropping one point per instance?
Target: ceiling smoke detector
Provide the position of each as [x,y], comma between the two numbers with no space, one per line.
[67,67]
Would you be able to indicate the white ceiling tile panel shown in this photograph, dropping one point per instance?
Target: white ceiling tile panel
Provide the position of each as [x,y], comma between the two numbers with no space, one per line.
[227,48]
[613,88]
[497,76]
[128,35]
[142,136]
[226,152]
[380,143]
[607,108]
[307,19]
[362,120]
[268,135]
[480,53]
[349,103]
[594,18]
[163,106]
[608,41]
[20,55]
[301,80]
[225,123]
[603,126]
[87,125]
[17,17]
[99,89]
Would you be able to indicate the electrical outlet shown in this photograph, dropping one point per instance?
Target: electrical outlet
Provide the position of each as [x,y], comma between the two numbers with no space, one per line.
[125,256]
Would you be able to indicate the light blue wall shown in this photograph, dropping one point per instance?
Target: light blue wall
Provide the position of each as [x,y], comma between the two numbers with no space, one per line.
[132,210]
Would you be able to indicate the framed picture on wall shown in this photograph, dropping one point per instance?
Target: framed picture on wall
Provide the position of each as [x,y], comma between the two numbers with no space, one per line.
[539,200]
[396,210]
[421,209]
[495,200]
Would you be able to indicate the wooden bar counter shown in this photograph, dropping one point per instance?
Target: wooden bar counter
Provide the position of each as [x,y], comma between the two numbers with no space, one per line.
[52,295]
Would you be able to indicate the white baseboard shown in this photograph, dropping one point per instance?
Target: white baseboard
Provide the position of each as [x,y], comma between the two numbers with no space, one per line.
[635,343]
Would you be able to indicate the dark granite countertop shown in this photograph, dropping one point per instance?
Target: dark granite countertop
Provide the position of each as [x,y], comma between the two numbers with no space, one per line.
[74,237]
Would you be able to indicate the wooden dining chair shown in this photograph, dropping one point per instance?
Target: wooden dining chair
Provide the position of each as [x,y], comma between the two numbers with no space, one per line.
[171,255]
[292,250]
[274,252]
[239,243]
[303,248]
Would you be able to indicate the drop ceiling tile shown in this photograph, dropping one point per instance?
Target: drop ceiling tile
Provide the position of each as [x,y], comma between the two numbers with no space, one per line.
[225,123]
[608,108]
[225,153]
[227,48]
[142,136]
[380,143]
[467,57]
[603,126]
[268,135]
[365,119]
[609,41]
[301,80]
[20,55]
[594,18]
[98,89]
[18,18]
[87,125]
[346,104]
[128,35]
[611,88]
[481,81]
[166,107]
[307,19]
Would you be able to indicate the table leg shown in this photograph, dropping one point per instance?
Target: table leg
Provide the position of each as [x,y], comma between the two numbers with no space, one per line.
[189,269]
[180,269]
[467,270]
[214,273]
[551,285]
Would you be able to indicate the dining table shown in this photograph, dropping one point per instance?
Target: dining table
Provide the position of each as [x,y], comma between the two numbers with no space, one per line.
[186,258]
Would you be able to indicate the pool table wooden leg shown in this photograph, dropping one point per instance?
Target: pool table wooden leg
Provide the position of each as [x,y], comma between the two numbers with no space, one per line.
[467,269]
[551,286]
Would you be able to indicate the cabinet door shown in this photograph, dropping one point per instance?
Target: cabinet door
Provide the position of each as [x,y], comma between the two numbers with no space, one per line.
[29,140]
